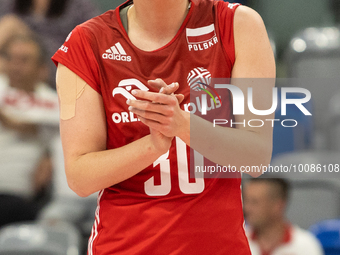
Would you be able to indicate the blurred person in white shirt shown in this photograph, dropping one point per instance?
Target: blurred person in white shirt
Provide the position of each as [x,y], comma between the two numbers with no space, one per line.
[268,230]
[50,20]
[28,108]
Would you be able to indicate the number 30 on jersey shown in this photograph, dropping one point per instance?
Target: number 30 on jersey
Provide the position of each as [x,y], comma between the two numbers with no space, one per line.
[183,173]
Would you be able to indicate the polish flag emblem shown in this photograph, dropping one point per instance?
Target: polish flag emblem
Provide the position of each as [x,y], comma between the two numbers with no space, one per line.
[200,35]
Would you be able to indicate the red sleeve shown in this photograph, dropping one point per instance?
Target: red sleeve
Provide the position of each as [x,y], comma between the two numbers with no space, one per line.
[77,55]
[226,13]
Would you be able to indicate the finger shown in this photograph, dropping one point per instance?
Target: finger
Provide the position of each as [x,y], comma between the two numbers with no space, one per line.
[155,97]
[150,123]
[158,84]
[163,87]
[152,116]
[147,106]
[170,89]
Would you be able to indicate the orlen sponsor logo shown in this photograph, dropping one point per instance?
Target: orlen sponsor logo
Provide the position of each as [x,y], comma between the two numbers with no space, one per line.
[124,88]
[116,52]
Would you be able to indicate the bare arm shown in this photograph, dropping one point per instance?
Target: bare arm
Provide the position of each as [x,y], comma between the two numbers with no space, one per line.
[89,166]
[243,146]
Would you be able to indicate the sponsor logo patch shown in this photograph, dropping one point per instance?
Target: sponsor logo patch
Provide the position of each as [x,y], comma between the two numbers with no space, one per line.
[116,52]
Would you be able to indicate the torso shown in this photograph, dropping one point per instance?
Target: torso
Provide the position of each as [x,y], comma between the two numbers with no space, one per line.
[161,210]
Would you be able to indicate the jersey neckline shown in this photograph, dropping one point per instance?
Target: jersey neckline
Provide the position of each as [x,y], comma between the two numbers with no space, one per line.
[180,30]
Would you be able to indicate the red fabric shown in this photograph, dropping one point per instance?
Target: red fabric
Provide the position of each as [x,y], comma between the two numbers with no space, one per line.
[189,216]
[77,54]
[226,21]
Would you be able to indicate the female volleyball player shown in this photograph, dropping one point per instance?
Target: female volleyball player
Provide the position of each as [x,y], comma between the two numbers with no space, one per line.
[127,135]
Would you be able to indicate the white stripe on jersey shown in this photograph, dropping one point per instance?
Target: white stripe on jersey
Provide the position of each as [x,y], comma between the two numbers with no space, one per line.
[94,231]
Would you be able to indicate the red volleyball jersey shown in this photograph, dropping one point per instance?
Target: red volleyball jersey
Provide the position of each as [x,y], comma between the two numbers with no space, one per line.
[161,210]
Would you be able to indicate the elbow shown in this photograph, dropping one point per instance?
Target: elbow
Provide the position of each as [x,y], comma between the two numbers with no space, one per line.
[255,174]
[76,184]
[80,191]
[260,165]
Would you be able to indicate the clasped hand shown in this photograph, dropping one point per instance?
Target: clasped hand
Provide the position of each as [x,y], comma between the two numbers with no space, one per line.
[160,111]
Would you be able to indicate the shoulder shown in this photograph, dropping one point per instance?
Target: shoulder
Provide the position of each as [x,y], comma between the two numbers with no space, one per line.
[247,24]
[306,240]
[253,50]
[303,235]
[247,19]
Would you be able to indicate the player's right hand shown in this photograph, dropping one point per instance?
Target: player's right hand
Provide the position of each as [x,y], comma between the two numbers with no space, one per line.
[163,142]
[166,89]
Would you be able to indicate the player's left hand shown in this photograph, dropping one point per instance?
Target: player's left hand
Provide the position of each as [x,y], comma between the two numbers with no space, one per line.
[160,111]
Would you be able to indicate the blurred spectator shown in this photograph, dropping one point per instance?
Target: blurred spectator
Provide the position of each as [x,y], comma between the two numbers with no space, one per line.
[51,20]
[26,106]
[65,204]
[268,230]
